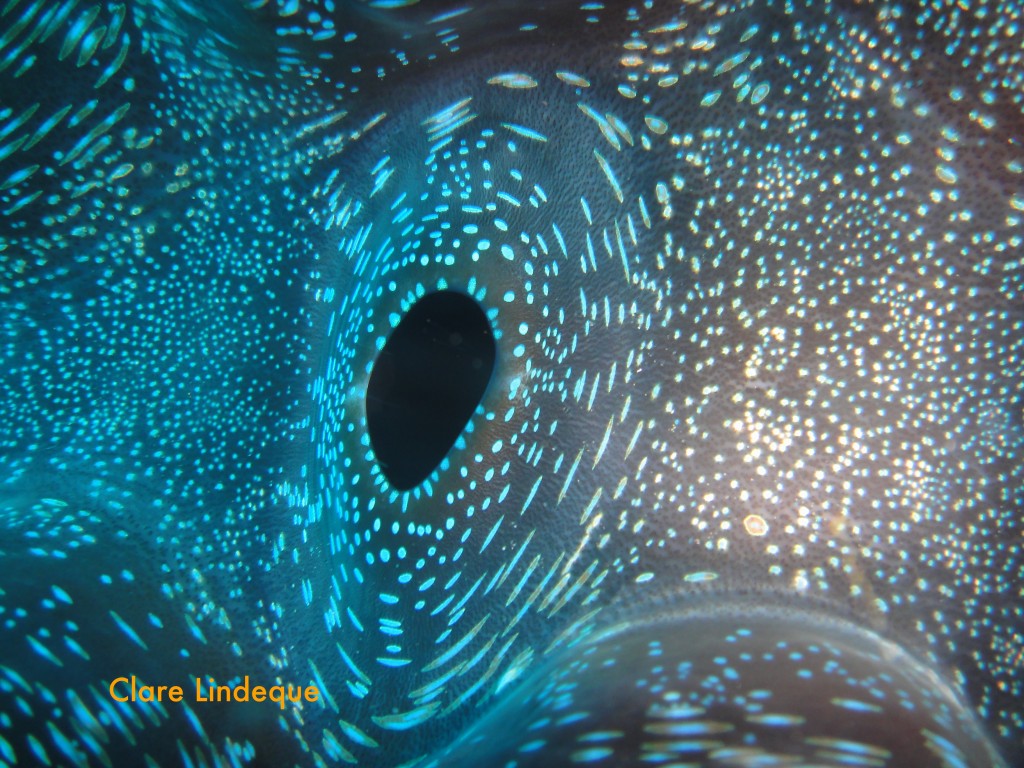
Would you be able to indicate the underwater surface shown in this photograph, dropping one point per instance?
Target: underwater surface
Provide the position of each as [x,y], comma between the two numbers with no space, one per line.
[544,383]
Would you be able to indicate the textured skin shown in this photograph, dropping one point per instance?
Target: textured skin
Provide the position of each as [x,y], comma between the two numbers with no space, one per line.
[755,275]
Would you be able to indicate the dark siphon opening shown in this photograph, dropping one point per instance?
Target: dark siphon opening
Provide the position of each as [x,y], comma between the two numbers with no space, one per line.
[426,383]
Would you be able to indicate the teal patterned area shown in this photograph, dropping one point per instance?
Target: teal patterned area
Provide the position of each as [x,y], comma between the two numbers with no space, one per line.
[746,486]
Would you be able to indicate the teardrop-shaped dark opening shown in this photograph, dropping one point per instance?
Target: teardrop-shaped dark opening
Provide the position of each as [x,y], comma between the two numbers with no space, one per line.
[425,384]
